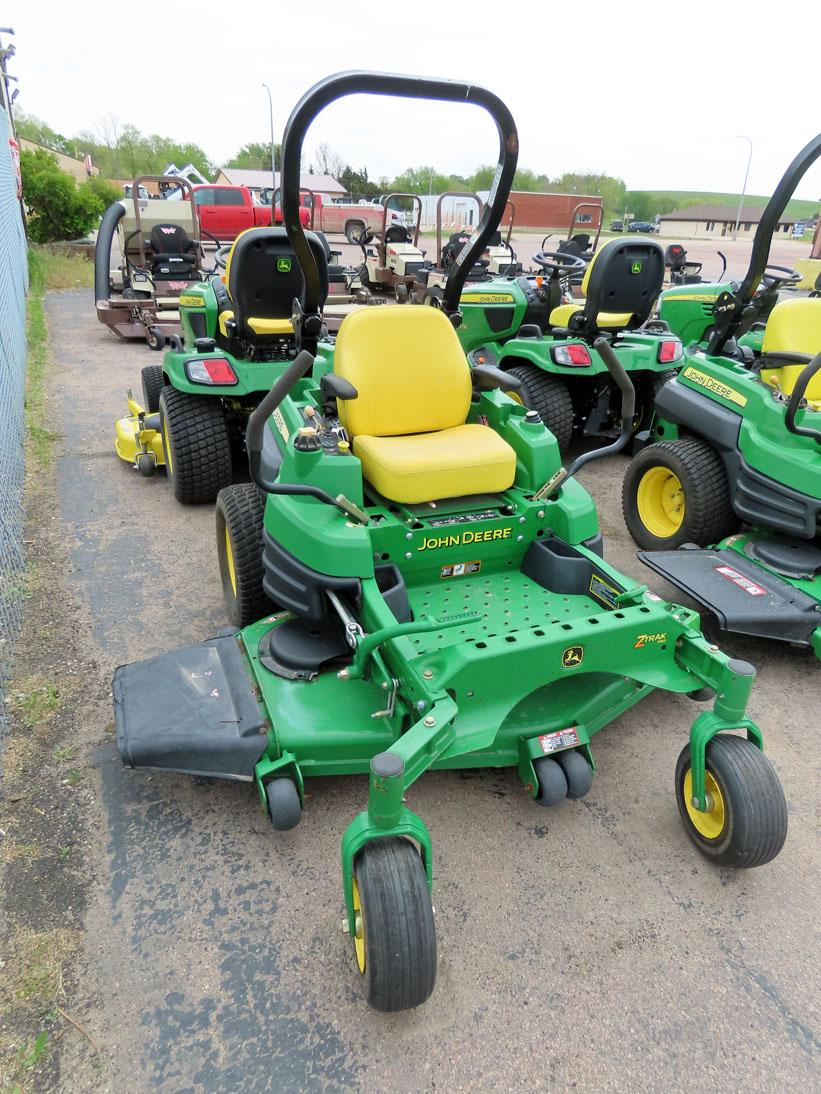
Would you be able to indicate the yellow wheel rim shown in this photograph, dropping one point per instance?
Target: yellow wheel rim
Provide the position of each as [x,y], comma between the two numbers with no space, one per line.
[660,502]
[359,932]
[229,558]
[167,446]
[709,824]
[515,396]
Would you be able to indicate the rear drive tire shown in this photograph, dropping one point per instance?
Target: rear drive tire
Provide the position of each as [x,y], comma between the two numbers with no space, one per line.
[196,444]
[395,937]
[677,492]
[153,382]
[239,516]
[549,396]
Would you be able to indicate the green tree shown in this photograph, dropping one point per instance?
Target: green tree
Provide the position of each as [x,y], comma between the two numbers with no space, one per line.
[57,207]
[254,156]
[641,204]
[358,184]
[35,129]
[105,192]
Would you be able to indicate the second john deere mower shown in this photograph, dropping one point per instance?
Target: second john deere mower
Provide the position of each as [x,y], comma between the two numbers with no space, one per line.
[425,589]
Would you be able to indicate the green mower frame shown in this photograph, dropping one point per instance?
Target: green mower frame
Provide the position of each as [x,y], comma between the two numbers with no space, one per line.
[733,473]
[466,632]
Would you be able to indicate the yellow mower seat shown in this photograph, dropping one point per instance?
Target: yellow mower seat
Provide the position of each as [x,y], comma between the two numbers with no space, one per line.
[606,320]
[407,423]
[793,326]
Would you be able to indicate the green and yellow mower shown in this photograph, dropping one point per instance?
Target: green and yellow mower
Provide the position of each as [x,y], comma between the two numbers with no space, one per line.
[417,584]
[725,501]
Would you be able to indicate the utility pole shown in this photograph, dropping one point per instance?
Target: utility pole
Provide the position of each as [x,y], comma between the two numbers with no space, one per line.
[741,137]
[273,150]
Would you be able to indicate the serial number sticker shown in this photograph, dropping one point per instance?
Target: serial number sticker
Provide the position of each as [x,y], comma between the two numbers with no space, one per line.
[742,581]
[562,738]
[463,518]
[461,569]
[709,383]
[279,422]
[605,592]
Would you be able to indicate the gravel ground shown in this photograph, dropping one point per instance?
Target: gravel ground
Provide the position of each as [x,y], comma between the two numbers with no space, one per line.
[587,947]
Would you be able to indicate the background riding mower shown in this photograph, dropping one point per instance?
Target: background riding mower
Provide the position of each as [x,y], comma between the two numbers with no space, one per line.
[496,260]
[523,326]
[161,255]
[738,447]
[436,599]
[237,337]
[393,260]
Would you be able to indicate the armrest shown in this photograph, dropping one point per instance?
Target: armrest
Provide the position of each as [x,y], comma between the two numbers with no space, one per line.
[333,387]
[488,377]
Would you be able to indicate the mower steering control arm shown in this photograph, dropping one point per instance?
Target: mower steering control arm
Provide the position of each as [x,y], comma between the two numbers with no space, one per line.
[800,388]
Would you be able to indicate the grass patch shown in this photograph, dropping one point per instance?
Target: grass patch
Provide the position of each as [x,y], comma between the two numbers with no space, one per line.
[36,704]
[63,753]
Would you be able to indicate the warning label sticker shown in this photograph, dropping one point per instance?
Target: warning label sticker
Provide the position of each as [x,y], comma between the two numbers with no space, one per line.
[461,569]
[562,738]
[742,581]
[604,591]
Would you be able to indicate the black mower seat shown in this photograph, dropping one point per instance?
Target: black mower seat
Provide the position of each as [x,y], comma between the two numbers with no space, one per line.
[263,279]
[621,285]
[173,252]
[413,395]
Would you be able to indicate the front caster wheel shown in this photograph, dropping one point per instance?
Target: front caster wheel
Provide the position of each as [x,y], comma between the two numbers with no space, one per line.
[745,823]
[552,781]
[145,465]
[395,938]
[284,806]
[155,338]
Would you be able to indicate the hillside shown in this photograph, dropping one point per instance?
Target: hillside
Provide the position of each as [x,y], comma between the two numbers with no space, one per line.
[668,200]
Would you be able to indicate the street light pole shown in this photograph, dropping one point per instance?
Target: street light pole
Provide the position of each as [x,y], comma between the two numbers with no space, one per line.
[741,137]
[273,153]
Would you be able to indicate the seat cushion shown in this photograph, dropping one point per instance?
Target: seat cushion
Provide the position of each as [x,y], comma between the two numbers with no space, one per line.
[466,459]
[606,320]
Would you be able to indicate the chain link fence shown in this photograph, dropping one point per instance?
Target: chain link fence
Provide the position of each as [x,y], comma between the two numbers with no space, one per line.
[13,287]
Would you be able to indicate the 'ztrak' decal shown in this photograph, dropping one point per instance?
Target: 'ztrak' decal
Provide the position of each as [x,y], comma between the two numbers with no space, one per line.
[649,639]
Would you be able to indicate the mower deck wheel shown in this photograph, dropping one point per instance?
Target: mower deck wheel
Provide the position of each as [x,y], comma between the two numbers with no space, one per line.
[745,823]
[677,492]
[196,444]
[552,781]
[401,293]
[395,936]
[549,396]
[577,771]
[146,465]
[153,382]
[155,338]
[284,807]
[239,515]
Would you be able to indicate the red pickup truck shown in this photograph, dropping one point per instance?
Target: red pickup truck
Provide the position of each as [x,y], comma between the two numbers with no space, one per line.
[225,211]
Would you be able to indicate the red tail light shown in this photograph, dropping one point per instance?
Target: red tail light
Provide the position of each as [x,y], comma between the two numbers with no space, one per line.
[574,354]
[669,351]
[210,370]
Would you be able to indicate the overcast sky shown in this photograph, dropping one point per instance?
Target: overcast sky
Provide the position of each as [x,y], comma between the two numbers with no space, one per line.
[649,91]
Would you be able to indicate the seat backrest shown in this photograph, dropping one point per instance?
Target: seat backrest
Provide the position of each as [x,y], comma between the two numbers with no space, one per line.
[264,278]
[675,256]
[409,369]
[624,276]
[170,239]
[794,326]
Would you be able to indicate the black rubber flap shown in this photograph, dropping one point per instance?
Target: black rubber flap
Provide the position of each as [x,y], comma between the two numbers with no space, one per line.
[191,710]
[745,598]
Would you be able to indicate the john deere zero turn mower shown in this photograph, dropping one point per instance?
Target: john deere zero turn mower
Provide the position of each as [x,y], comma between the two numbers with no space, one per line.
[237,337]
[431,594]
[726,501]
[524,326]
